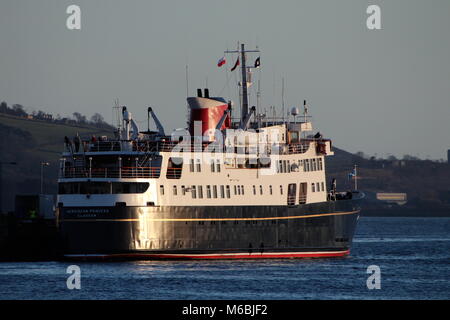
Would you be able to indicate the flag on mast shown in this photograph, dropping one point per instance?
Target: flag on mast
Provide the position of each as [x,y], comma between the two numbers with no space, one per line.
[257,62]
[235,65]
[221,62]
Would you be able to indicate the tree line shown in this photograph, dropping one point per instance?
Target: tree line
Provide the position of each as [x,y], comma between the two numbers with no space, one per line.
[77,118]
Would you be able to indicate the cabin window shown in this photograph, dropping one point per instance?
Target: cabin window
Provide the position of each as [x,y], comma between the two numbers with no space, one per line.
[222,191]
[235,190]
[279,166]
[260,189]
[200,192]
[174,168]
[317,187]
[102,187]
[215,192]
[175,191]
[183,190]
[270,189]
[218,166]
[192,166]
[242,190]
[161,190]
[213,167]
[320,164]
[281,189]
[288,166]
[193,192]
[313,187]
[208,192]
[199,166]
[323,186]
[228,192]
[254,190]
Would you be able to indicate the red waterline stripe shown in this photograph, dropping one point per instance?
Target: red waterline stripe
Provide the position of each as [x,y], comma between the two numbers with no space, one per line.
[268,255]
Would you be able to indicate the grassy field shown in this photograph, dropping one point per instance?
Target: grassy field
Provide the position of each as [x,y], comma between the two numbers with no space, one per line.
[28,143]
[49,137]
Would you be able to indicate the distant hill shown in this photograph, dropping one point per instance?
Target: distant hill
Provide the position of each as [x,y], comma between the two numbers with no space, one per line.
[427,183]
[30,142]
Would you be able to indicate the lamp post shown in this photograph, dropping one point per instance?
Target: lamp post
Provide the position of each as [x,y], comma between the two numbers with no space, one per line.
[1,182]
[46,164]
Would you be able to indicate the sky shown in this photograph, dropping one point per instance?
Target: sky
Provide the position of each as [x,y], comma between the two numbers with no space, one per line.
[383,92]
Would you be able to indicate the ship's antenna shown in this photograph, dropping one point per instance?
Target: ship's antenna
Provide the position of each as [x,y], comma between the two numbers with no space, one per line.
[282,98]
[305,111]
[117,109]
[187,81]
[258,97]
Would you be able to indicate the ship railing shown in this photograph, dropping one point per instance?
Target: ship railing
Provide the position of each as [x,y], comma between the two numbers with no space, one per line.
[295,148]
[174,173]
[169,146]
[291,200]
[123,172]
[104,146]
[302,199]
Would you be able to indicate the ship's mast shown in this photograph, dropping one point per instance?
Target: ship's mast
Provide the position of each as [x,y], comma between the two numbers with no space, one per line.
[244,68]
[244,85]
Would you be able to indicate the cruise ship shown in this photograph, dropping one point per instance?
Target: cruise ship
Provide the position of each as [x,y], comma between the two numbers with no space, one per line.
[245,185]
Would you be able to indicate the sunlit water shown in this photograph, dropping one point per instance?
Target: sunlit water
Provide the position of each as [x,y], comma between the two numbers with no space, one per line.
[412,253]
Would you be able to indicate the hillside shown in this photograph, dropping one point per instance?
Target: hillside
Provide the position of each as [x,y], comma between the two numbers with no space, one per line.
[427,183]
[30,142]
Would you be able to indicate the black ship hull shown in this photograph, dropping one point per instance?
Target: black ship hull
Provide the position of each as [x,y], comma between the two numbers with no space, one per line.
[314,230]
